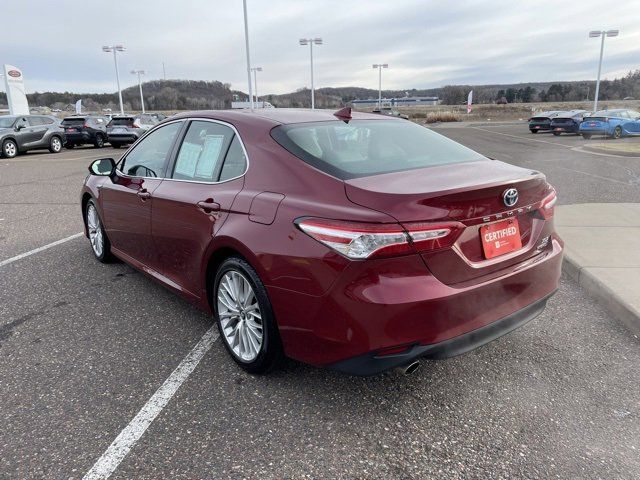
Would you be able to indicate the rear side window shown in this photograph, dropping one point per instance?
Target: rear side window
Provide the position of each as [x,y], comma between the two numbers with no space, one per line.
[202,151]
[235,163]
[35,121]
[363,148]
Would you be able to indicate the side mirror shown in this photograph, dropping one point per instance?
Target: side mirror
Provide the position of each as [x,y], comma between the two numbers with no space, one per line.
[103,167]
[20,126]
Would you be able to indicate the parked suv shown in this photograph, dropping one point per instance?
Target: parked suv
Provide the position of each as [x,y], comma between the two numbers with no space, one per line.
[19,133]
[126,129]
[85,129]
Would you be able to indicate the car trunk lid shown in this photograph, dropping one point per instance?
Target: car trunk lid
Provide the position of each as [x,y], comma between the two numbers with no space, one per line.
[470,193]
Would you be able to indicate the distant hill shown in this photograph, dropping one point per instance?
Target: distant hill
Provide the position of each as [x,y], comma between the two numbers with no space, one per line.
[196,95]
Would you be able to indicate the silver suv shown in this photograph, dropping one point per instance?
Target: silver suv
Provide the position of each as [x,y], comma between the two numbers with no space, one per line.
[19,133]
[126,129]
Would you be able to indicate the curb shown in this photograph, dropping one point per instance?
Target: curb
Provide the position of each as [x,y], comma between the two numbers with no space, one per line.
[602,294]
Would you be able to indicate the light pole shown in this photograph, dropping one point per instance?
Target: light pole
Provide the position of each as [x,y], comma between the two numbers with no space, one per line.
[115,49]
[310,42]
[380,66]
[255,71]
[603,34]
[246,41]
[139,72]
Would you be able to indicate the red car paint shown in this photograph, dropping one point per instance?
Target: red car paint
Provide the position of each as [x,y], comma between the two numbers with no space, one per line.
[328,307]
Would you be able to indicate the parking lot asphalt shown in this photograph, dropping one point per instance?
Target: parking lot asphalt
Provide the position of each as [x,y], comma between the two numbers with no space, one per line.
[83,346]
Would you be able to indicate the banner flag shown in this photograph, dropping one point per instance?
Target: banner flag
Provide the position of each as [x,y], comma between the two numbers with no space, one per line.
[16,96]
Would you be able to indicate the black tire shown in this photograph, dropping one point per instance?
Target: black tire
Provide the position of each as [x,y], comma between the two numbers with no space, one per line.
[586,136]
[533,131]
[106,256]
[617,132]
[557,134]
[270,353]
[116,144]
[99,142]
[9,149]
[55,144]
[70,146]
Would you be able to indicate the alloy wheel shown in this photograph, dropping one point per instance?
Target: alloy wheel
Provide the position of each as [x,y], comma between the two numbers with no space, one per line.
[56,144]
[95,230]
[240,317]
[10,149]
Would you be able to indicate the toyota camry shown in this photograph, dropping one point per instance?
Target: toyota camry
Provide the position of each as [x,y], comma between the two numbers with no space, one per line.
[346,240]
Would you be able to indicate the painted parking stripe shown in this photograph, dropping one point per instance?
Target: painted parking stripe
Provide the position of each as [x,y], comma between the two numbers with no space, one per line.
[38,250]
[128,437]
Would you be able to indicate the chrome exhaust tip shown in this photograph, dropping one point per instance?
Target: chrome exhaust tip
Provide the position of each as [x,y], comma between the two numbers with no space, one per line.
[410,368]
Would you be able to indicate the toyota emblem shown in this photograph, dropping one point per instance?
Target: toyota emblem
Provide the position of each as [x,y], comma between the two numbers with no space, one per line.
[510,197]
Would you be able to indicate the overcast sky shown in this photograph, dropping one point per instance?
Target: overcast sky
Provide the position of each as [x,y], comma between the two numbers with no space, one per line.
[58,44]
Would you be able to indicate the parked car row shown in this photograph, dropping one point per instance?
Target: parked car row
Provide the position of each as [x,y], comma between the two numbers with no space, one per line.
[21,133]
[96,130]
[609,123]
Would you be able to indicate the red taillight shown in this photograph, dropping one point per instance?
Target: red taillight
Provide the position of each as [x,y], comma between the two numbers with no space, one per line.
[548,205]
[86,125]
[357,240]
[135,125]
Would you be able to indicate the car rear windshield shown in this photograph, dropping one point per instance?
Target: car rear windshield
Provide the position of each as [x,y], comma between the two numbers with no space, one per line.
[363,148]
[73,121]
[127,122]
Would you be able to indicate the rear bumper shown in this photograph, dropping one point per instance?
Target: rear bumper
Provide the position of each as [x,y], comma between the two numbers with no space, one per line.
[387,303]
[80,137]
[564,128]
[533,127]
[123,138]
[370,364]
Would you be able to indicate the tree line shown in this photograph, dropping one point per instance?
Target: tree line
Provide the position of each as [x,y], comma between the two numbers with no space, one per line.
[198,95]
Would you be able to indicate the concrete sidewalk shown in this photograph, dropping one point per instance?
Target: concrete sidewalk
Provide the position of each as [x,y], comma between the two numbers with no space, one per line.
[602,253]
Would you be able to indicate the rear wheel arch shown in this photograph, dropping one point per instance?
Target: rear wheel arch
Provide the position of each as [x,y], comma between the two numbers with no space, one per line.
[219,253]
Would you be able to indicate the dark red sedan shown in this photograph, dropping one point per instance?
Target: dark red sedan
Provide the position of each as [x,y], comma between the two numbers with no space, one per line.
[355,242]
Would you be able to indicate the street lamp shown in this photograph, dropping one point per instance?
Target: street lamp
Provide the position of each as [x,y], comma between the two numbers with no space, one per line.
[380,66]
[311,42]
[255,71]
[139,72]
[603,34]
[246,41]
[115,49]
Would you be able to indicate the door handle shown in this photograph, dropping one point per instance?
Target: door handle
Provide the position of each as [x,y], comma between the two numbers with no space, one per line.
[143,194]
[209,205]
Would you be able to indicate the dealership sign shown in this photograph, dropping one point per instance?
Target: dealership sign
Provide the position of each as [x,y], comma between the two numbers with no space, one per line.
[16,96]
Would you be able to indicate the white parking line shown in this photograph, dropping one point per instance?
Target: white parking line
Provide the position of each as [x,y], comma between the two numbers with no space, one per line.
[524,138]
[37,250]
[128,437]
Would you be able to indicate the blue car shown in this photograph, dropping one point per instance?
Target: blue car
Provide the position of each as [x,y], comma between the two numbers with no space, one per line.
[611,123]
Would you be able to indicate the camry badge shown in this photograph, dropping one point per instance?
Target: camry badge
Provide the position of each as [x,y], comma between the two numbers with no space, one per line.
[510,197]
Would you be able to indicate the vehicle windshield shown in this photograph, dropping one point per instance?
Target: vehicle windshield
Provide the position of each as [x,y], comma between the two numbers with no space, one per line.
[6,122]
[363,148]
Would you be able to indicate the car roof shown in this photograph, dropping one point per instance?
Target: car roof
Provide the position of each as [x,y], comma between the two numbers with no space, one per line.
[272,116]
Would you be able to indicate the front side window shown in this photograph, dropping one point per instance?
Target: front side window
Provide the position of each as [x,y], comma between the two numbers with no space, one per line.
[22,123]
[149,156]
[202,151]
[363,148]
